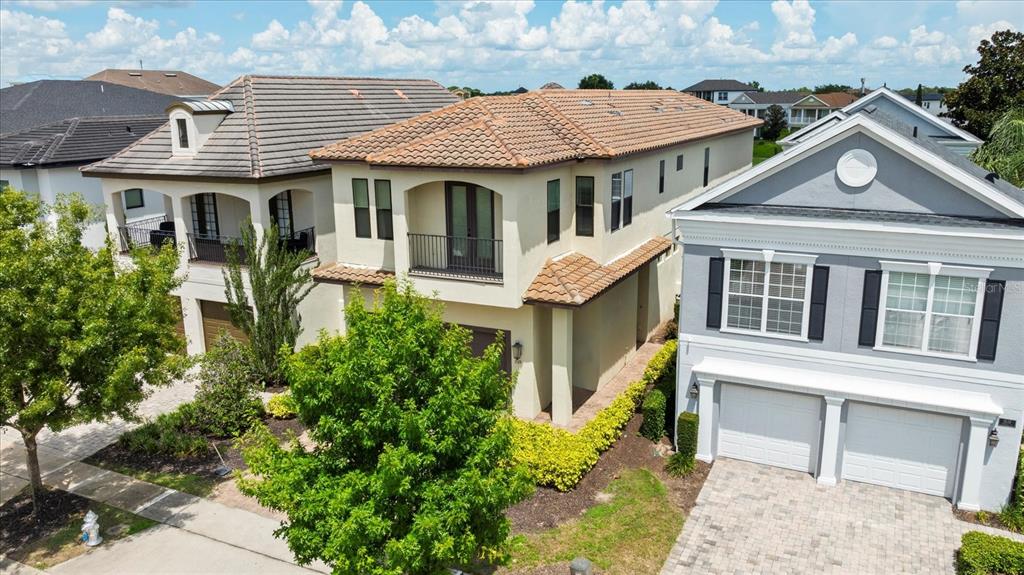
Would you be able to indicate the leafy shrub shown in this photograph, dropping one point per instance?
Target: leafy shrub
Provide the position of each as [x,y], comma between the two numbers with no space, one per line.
[1012,514]
[661,372]
[227,399]
[672,329]
[170,435]
[984,554]
[653,409]
[678,465]
[282,406]
[686,434]
[559,458]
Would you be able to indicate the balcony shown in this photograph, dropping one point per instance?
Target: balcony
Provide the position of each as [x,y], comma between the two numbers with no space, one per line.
[214,249]
[155,232]
[455,257]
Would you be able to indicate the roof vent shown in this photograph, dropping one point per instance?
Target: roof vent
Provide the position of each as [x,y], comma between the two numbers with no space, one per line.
[586,102]
[992,177]
[171,74]
[134,73]
[128,129]
[871,109]
[400,94]
[615,112]
[355,93]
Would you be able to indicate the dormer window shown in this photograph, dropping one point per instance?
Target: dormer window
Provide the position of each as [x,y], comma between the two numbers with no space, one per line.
[182,133]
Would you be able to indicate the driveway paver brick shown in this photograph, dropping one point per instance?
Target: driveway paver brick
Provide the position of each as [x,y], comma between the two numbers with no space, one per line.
[755,519]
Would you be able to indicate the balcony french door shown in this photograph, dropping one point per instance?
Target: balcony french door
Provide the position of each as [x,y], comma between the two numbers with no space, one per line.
[470,217]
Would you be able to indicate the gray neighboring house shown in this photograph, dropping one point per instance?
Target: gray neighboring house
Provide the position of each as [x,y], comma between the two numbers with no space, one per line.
[756,104]
[49,128]
[924,124]
[721,91]
[243,154]
[851,309]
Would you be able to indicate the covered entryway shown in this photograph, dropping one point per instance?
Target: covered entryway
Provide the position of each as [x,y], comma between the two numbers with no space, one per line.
[767,426]
[216,319]
[902,448]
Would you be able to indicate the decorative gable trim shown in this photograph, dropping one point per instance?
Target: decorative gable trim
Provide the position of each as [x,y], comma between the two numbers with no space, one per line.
[906,147]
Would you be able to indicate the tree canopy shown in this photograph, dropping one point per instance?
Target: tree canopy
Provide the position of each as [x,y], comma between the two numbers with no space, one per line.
[995,85]
[79,334]
[827,88]
[1003,153]
[648,85]
[278,283]
[596,82]
[774,122]
[412,469]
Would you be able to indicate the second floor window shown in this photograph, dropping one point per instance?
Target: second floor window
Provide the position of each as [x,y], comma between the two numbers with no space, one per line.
[182,133]
[930,313]
[361,206]
[661,177]
[204,214]
[584,206]
[385,223]
[554,213]
[622,199]
[767,297]
[707,164]
[281,211]
[679,163]
[132,199]
[723,96]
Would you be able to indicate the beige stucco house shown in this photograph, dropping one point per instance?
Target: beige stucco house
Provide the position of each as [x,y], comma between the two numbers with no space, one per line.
[540,215]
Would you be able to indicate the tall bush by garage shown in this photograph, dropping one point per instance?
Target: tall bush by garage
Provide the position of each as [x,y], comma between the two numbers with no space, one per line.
[1012,515]
[686,434]
[984,554]
[653,409]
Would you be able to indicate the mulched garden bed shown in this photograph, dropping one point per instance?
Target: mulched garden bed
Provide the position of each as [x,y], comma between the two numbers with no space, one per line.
[549,507]
[982,518]
[116,455]
[18,527]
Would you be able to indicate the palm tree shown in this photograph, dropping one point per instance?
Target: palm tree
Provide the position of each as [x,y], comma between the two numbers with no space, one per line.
[1003,153]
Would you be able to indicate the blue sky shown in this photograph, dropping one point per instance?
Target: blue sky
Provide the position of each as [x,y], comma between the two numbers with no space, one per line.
[503,45]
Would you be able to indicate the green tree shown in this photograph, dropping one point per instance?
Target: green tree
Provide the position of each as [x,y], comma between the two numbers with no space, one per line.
[412,470]
[278,284]
[756,86]
[995,85]
[79,334]
[596,82]
[1003,153]
[774,122]
[919,96]
[826,88]
[648,85]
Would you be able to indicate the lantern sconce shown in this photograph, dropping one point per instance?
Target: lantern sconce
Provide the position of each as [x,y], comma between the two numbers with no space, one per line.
[993,437]
[694,390]
[517,350]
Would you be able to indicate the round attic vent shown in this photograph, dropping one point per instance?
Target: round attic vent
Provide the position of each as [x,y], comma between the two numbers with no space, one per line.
[856,168]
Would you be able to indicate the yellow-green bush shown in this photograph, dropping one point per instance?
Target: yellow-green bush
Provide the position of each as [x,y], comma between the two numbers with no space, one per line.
[662,367]
[558,458]
[282,406]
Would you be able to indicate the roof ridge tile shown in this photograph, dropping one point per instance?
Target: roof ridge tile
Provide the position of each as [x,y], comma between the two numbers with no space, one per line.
[255,166]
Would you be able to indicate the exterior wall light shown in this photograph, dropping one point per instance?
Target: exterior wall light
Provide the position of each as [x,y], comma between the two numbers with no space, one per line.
[694,390]
[517,350]
[993,437]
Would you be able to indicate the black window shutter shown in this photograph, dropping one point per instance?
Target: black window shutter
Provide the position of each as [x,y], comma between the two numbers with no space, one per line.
[991,309]
[819,295]
[715,281]
[869,307]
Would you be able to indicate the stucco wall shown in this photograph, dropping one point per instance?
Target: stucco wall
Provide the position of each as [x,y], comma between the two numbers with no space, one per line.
[604,335]
[812,182]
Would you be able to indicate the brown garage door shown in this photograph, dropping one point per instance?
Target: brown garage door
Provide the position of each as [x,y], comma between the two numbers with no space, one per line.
[216,319]
[483,337]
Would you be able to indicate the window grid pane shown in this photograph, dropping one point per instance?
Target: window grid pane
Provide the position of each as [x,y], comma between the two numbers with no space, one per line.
[786,292]
[746,294]
[903,329]
[907,291]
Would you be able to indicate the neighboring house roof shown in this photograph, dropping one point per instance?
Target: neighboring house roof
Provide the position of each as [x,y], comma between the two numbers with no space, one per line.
[171,82]
[349,274]
[45,102]
[775,97]
[843,214]
[541,128]
[936,157]
[829,99]
[933,96]
[276,121]
[75,140]
[573,279]
[552,86]
[724,85]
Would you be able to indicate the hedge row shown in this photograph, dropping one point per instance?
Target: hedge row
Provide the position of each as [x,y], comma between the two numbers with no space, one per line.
[653,409]
[661,373]
[558,458]
[983,554]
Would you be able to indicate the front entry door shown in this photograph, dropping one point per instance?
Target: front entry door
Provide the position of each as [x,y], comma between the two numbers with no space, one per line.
[470,215]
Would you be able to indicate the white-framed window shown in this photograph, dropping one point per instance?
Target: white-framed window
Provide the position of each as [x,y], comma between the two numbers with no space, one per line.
[931,309]
[723,96]
[183,133]
[767,293]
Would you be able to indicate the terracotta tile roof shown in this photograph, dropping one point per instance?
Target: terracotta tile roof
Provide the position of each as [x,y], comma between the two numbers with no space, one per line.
[541,127]
[342,273]
[836,99]
[575,279]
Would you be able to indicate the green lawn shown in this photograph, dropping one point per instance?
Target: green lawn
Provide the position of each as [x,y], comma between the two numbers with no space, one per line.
[631,534]
[64,543]
[764,149]
[197,485]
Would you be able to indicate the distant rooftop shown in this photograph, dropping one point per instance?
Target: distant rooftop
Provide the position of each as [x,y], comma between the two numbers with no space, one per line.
[75,140]
[724,85]
[46,102]
[776,97]
[172,82]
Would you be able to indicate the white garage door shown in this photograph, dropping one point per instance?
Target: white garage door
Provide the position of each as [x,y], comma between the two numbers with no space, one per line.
[912,450]
[772,427]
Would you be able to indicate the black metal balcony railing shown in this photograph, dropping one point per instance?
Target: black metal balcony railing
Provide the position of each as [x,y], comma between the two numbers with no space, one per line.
[454,256]
[155,232]
[212,248]
[301,240]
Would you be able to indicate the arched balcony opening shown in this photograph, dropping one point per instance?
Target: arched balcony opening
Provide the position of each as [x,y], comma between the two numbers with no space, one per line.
[143,217]
[293,213]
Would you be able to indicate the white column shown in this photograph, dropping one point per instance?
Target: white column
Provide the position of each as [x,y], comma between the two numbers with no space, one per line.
[115,218]
[977,444]
[182,219]
[259,211]
[561,366]
[193,319]
[830,440]
[400,224]
[706,415]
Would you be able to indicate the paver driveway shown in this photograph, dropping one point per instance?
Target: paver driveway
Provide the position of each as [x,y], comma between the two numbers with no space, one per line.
[753,518]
